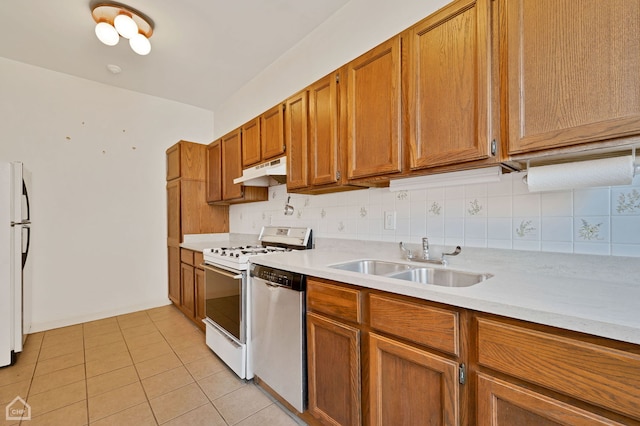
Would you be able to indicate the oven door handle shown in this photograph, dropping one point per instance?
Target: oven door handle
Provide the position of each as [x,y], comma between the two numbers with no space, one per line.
[221,272]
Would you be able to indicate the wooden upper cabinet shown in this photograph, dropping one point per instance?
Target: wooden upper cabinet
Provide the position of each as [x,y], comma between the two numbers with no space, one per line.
[296,137]
[186,160]
[448,85]
[227,152]
[232,154]
[272,133]
[374,111]
[214,172]
[173,162]
[251,151]
[570,72]
[263,137]
[323,130]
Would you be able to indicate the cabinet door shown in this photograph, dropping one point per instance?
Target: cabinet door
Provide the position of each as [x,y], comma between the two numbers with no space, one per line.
[187,289]
[373,111]
[449,85]
[410,386]
[174,229]
[571,72]
[214,172]
[504,404]
[596,374]
[200,296]
[173,162]
[272,133]
[296,136]
[251,154]
[174,273]
[323,130]
[333,358]
[231,165]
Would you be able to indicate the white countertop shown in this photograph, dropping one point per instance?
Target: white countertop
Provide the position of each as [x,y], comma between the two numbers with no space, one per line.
[599,295]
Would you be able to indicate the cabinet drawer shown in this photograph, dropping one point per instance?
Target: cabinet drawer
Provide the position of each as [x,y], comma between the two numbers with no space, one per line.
[186,256]
[337,301]
[600,375]
[427,325]
[198,259]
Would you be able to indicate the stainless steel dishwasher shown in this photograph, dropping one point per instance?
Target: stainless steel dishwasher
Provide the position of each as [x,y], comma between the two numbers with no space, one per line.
[278,335]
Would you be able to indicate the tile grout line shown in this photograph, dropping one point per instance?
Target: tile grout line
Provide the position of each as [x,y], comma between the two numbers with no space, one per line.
[194,381]
[136,369]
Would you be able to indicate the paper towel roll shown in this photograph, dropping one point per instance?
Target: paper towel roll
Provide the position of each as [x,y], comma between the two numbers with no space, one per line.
[583,174]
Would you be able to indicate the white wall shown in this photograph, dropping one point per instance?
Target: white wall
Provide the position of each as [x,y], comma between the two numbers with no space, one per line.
[99,204]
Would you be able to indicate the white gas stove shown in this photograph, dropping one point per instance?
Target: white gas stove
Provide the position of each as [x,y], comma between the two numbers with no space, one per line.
[273,239]
[227,302]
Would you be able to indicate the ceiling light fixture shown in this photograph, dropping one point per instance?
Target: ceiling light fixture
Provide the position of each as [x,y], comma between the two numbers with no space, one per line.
[114,20]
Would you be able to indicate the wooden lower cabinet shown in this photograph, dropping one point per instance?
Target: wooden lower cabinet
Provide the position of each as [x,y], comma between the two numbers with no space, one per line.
[333,371]
[174,273]
[597,375]
[364,365]
[200,313]
[501,403]
[191,301]
[411,386]
[377,358]
[187,289]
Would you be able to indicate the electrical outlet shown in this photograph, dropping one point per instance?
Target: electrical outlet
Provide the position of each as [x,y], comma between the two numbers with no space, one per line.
[390,220]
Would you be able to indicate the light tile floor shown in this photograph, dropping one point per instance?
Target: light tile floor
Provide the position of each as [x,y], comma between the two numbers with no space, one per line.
[145,368]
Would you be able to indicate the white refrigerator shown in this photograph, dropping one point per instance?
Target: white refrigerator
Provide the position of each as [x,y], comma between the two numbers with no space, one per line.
[15,260]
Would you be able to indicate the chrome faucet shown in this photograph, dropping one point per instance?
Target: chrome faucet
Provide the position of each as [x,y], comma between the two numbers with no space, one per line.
[408,254]
[425,248]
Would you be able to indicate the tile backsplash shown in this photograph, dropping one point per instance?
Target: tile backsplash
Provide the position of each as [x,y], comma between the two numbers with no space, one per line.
[603,221]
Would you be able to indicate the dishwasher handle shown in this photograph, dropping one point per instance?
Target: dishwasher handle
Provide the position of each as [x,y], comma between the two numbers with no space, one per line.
[270,284]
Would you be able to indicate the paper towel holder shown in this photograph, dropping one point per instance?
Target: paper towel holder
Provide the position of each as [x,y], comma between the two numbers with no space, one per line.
[636,166]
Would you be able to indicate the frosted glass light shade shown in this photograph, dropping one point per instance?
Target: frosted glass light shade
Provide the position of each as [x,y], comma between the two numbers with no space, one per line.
[107,34]
[140,44]
[125,25]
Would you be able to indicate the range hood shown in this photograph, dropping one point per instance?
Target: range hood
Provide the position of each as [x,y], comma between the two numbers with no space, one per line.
[264,174]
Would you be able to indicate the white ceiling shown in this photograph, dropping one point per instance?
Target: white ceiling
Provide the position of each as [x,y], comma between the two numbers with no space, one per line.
[202,51]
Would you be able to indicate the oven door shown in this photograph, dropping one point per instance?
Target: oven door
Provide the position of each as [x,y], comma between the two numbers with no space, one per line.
[225,300]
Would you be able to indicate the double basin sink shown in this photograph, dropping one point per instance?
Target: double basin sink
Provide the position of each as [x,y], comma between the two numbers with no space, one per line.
[416,274]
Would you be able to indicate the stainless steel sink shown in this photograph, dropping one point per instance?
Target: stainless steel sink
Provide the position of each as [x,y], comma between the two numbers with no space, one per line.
[373,267]
[417,274]
[442,277]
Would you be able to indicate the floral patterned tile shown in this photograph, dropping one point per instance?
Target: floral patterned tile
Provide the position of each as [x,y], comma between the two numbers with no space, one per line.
[625,201]
[526,228]
[591,229]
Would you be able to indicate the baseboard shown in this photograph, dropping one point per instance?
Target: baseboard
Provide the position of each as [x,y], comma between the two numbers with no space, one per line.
[49,325]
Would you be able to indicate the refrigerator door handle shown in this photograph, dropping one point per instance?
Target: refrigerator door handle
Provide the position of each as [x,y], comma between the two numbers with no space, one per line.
[26,196]
[25,254]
